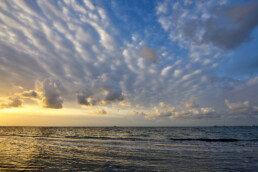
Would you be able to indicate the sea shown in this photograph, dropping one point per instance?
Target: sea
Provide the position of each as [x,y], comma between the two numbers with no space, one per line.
[129,149]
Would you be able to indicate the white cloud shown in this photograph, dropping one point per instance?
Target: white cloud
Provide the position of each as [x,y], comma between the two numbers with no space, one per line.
[78,44]
[240,106]
[162,7]
[207,110]
[166,70]
[178,112]
[177,72]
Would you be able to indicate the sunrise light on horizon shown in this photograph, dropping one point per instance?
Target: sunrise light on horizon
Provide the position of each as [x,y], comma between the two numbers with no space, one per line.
[128,63]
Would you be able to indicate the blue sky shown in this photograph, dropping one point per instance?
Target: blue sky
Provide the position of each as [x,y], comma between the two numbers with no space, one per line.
[148,62]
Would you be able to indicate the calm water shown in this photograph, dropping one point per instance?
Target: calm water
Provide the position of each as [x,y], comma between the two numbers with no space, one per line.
[129,149]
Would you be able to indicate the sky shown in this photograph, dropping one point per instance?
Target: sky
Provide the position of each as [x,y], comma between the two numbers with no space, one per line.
[128,63]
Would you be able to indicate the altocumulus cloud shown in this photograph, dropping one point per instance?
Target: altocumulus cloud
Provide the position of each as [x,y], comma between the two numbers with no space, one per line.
[149,54]
[240,106]
[242,21]
[179,112]
[226,26]
[101,60]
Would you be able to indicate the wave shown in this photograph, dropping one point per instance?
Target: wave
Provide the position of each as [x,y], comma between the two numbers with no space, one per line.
[139,139]
[108,138]
[172,139]
[81,137]
[210,140]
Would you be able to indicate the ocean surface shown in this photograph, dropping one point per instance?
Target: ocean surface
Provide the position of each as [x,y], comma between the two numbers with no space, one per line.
[129,149]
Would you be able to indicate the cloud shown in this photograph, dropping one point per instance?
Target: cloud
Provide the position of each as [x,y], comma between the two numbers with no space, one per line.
[184,24]
[207,110]
[240,106]
[49,93]
[46,93]
[13,101]
[166,70]
[30,94]
[99,112]
[177,72]
[206,30]
[99,58]
[202,23]
[139,113]
[196,113]
[157,113]
[149,54]
[164,113]
[102,91]
[191,104]
[178,112]
[162,104]
[124,103]
[82,97]
[240,22]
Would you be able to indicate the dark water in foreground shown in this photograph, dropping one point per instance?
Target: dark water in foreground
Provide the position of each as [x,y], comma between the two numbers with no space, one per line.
[129,149]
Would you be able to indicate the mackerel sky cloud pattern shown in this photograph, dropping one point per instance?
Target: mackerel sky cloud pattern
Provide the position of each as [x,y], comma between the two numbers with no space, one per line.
[185,60]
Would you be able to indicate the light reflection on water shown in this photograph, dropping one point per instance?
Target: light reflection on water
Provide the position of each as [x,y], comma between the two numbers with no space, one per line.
[130,149]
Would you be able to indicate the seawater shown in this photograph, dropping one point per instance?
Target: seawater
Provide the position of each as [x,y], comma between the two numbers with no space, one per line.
[129,149]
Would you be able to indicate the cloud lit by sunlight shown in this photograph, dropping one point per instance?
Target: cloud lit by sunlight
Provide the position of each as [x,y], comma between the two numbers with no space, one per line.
[166,62]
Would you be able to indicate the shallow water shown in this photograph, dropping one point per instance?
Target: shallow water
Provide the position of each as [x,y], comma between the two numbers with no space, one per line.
[129,148]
